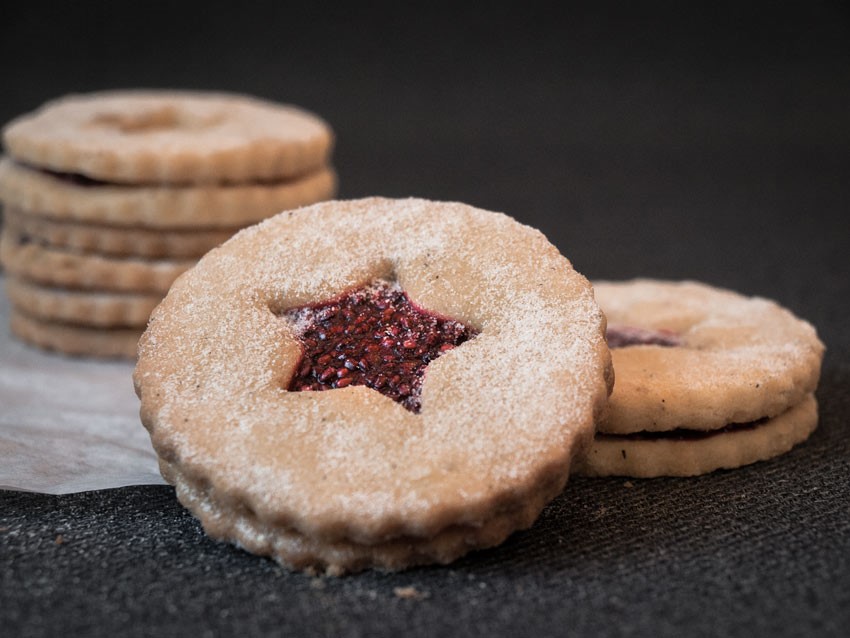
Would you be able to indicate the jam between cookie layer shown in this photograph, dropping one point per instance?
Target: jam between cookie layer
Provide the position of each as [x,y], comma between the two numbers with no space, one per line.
[682,434]
[622,336]
[84,181]
[373,336]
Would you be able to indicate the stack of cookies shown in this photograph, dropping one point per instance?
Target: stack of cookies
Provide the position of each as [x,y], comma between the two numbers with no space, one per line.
[707,379]
[109,197]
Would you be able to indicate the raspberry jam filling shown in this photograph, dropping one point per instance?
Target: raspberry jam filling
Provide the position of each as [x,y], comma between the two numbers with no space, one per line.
[78,179]
[23,239]
[624,336]
[683,434]
[373,336]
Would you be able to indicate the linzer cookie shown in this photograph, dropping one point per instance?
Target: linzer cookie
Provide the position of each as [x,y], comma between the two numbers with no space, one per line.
[51,266]
[110,196]
[75,339]
[94,309]
[374,383]
[118,241]
[170,137]
[706,379]
[73,198]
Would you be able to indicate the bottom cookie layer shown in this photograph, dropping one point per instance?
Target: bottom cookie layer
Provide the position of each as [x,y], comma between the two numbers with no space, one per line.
[76,340]
[612,455]
[294,550]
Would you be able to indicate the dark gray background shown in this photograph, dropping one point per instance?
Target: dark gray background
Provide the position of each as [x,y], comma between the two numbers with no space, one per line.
[705,143]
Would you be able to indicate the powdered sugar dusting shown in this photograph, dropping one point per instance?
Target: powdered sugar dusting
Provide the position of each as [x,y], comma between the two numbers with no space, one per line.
[169,137]
[740,358]
[500,413]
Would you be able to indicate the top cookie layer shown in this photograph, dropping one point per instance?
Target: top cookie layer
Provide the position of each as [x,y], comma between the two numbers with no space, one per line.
[170,137]
[740,359]
[500,414]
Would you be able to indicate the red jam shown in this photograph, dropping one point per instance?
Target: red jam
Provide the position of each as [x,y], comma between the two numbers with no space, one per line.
[624,336]
[683,434]
[75,179]
[375,337]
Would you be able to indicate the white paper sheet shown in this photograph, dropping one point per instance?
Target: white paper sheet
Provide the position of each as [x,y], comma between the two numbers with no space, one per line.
[68,425]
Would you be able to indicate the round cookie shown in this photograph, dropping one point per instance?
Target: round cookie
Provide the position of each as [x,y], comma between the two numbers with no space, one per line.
[348,478]
[187,207]
[706,379]
[75,340]
[55,267]
[114,240]
[86,308]
[173,137]
[739,358]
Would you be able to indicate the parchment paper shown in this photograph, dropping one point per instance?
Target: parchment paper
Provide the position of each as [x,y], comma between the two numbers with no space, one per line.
[66,424]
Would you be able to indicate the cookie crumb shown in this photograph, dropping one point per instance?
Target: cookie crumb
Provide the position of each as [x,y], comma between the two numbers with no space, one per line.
[599,513]
[335,571]
[410,593]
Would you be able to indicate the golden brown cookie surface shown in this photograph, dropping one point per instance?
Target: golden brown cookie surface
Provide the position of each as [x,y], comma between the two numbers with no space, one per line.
[172,207]
[117,241]
[147,136]
[738,358]
[65,268]
[109,196]
[85,308]
[705,379]
[500,415]
[73,339]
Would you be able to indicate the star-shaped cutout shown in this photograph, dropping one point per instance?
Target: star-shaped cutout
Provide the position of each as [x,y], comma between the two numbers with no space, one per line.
[373,336]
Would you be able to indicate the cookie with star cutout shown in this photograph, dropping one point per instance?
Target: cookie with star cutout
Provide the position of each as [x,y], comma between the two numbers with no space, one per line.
[374,383]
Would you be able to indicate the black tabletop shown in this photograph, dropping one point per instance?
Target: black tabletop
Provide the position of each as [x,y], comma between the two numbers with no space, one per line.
[710,144]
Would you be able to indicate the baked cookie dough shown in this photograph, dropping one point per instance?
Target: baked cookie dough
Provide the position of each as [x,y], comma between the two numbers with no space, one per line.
[74,339]
[172,207]
[173,137]
[107,240]
[273,449]
[85,308]
[51,266]
[109,196]
[706,379]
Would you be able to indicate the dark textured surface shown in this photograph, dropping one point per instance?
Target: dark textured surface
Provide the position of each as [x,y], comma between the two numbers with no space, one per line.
[711,144]
[764,550]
